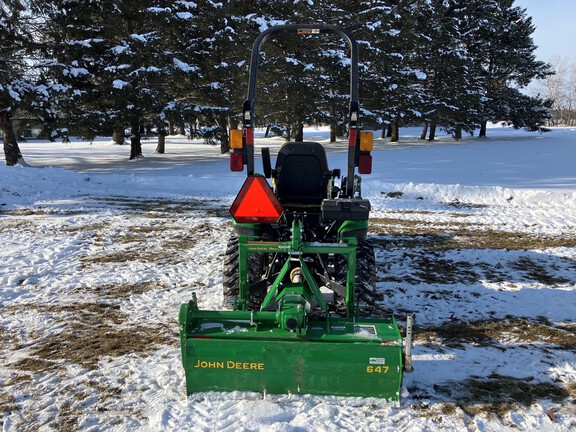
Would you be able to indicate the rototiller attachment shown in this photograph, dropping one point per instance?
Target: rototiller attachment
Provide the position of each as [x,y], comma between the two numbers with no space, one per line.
[298,273]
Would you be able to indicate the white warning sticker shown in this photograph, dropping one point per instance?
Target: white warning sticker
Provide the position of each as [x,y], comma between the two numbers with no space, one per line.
[365,330]
[377,360]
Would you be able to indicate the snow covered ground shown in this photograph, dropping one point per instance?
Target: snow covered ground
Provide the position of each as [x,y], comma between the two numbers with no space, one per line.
[477,238]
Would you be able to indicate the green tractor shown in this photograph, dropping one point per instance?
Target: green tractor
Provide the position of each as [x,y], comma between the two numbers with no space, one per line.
[298,273]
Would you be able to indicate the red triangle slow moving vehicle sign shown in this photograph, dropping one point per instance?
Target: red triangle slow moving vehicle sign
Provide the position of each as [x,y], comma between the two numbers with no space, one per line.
[256,203]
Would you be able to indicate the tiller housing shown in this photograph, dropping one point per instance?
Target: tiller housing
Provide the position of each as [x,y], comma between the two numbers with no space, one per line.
[298,273]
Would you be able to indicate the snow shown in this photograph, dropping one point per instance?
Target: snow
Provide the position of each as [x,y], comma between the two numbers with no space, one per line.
[265,23]
[96,245]
[420,75]
[77,71]
[188,4]
[185,15]
[14,94]
[139,37]
[119,49]
[119,84]
[183,66]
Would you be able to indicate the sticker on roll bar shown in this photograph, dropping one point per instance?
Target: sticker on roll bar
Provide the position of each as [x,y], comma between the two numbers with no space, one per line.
[308,31]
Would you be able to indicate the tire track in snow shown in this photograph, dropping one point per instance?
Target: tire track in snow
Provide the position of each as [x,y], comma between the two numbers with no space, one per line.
[145,390]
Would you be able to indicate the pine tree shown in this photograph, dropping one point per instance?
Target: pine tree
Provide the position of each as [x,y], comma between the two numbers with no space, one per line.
[222,55]
[335,63]
[291,82]
[117,58]
[127,63]
[454,91]
[504,49]
[21,82]
[394,37]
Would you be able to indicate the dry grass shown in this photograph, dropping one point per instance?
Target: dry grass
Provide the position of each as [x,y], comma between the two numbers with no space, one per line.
[7,402]
[405,233]
[433,267]
[90,331]
[120,291]
[86,345]
[537,271]
[498,395]
[493,332]
[165,207]
[41,211]
[161,243]
[424,249]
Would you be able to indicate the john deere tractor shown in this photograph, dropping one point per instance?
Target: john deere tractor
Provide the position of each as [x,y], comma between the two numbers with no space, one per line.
[298,272]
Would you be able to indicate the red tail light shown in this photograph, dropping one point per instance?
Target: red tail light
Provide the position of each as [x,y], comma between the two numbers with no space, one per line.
[365,164]
[236,162]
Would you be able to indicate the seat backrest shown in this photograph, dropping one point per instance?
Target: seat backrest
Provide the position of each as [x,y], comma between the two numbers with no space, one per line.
[302,173]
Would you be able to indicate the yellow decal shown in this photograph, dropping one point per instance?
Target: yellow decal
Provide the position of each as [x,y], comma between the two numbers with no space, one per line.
[229,365]
[377,369]
[245,366]
[209,365]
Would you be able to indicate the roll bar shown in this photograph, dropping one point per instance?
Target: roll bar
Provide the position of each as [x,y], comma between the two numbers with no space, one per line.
[249,103]
[302,29]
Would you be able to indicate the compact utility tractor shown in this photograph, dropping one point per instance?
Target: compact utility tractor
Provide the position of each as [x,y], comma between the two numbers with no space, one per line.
[298,273]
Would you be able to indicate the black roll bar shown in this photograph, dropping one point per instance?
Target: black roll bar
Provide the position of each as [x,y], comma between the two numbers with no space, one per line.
[305,29]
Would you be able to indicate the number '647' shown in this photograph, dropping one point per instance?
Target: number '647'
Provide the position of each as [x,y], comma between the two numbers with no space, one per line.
[377,369]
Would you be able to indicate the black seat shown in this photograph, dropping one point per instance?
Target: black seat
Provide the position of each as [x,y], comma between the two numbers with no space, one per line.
[301,173]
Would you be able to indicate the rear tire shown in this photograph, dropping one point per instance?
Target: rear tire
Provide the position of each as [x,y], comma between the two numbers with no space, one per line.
[231,276]
[365,279]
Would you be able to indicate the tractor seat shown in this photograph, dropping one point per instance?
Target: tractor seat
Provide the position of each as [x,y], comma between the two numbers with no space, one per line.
[301,174]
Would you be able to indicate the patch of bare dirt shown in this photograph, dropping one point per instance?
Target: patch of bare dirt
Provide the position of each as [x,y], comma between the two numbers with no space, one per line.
[165,207]
[120,291]
[406,233]
[498,395]
[158,243]
[90,332]
[493,332]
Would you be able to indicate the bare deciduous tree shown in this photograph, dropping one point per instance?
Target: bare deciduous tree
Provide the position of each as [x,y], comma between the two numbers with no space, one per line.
[561,89]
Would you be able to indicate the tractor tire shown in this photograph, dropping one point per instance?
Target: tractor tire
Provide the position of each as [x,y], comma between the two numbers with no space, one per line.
[365,280]
[231,276]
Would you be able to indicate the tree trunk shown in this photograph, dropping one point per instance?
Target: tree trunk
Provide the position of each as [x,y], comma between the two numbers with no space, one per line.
[118,135]
[135,142]
[482,129]
[394,132]
[224,142]
[161,147]
[181,129]
[384,132]
[224,123]
[458,133]
[288,133]
[11,149]
[432,136]
[424,131]
[267,133]
[332,131]
[299,133]
[170,128]
[389,131]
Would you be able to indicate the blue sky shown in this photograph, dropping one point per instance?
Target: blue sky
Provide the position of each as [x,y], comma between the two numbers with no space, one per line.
[555,22]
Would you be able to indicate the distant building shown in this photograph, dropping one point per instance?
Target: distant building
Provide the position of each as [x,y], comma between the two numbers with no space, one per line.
[26,125]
